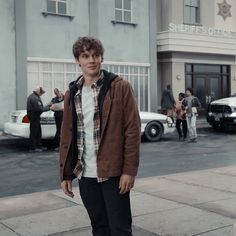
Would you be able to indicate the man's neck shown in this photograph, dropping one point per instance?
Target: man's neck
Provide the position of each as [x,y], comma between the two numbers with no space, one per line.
[89,80]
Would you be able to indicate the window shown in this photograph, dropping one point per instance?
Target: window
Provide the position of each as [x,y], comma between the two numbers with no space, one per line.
[191,11]
[123,10]
[57,6]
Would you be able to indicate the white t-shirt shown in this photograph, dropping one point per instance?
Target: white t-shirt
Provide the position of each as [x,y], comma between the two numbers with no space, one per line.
[88,110]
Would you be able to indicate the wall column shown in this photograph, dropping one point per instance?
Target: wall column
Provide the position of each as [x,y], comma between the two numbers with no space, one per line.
[21,54]
[153,55]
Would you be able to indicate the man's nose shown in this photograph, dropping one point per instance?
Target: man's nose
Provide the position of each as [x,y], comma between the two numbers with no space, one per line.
[91,59]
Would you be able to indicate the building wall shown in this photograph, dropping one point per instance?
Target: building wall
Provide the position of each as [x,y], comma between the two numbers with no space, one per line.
[124,42]
[44,41]
[121,41]
[219,21]
[181,45]
[7,59]
[172,11]
[52,36]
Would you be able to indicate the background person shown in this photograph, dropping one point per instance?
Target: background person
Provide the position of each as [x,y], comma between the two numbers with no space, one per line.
[102,149]
[181,123]
[168,102]
[34,109]
[57,106]
[191,104]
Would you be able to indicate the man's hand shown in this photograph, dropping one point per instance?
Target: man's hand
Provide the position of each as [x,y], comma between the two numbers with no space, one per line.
[126,183]
[66,186]
[52,107]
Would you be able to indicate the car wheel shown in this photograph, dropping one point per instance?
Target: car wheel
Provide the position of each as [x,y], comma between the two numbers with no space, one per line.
[216,127]
[153,131]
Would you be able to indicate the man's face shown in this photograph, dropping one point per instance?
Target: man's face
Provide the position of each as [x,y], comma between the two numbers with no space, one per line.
[90,62]
[188,93]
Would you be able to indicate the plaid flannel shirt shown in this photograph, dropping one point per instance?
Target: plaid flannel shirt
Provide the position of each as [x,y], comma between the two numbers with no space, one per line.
[79,168]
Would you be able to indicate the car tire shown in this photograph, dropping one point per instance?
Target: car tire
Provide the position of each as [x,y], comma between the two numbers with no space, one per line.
[216,127]
[153,131]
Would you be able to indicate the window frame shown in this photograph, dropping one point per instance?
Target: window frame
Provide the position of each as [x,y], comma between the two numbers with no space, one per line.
[56,13]
[56,2]
[197,10]
[123,10]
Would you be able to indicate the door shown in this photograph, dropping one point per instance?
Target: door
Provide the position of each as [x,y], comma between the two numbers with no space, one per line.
[207,89]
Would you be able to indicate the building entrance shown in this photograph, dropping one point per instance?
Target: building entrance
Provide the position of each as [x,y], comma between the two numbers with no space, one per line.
[209,82]
[207,89]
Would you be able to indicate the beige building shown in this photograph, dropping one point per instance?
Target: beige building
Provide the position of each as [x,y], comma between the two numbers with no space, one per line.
[196,47]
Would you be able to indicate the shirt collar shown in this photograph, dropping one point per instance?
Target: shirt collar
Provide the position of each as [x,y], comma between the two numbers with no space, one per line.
[96,84]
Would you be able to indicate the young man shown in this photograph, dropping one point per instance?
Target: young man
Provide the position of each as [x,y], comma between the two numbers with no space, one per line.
[34,109]
[191,103]
[100,140]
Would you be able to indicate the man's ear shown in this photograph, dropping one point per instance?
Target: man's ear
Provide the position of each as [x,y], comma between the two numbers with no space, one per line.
[77,62]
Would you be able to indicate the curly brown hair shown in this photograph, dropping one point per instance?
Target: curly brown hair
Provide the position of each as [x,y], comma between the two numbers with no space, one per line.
[86,44]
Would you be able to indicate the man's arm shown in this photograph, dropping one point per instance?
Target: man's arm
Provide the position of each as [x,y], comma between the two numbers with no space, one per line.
[66,171]
[132,138]
[37,105]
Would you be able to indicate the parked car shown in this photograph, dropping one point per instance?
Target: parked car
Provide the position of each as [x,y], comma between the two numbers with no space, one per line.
[222,113]
[154,125]
[18,125]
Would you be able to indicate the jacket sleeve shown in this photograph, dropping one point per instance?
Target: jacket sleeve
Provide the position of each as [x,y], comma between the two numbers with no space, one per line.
[184,103]
[38,105]
[132,131]
[196,102]
[66,152]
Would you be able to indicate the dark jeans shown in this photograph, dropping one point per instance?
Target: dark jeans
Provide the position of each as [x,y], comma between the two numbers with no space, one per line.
[108,210]
[58,115]
[182,132]
[35,132]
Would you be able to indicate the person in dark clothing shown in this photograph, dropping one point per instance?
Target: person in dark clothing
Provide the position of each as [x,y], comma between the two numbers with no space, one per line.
[168,101]
[181,118]
[57,107]
[34,109]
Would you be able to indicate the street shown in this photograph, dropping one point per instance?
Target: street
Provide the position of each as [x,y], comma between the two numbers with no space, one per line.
[23,172]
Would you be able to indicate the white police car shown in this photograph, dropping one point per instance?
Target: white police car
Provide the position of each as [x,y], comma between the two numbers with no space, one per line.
[154,125]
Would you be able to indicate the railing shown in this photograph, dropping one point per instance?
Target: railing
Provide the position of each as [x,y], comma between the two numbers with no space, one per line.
[52,74]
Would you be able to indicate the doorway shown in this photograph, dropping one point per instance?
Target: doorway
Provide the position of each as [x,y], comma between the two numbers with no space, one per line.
[207,89]
[209,83]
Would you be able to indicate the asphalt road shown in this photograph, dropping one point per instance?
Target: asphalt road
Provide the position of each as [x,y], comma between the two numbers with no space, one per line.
[23,172]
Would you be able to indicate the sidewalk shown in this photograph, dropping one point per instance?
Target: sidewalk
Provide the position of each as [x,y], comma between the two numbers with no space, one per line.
[192,203]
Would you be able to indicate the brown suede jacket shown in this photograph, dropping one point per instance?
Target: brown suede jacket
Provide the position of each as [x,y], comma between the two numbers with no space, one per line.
[118,151]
